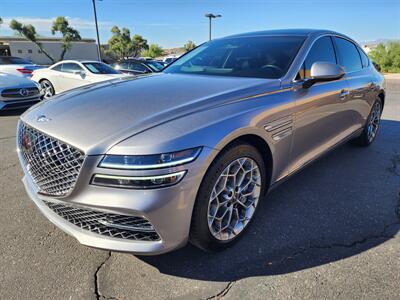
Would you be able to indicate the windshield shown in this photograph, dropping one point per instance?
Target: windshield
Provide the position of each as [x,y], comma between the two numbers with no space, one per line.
[261,56]
[155,66]
[100,68]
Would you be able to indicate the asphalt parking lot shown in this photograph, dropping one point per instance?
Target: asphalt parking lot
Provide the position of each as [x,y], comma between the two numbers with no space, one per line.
[330,232]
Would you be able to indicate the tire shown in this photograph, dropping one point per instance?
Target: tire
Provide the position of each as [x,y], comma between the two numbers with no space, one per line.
[219,180]
[371,127]
[48,88]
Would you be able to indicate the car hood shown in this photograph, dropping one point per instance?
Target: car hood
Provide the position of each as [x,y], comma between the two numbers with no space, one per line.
[10,81]
[96,117]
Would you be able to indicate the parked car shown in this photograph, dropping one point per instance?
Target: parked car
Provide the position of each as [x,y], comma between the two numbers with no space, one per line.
[144,165]
[169,59]
[17,92]
[70,74]
[137,66]
[17,66]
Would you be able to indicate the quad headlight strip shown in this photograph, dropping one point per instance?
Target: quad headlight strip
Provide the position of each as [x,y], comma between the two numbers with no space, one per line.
[138,182]
[144,162]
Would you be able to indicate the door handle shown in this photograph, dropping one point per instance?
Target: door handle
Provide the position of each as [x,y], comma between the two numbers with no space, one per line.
[343,94]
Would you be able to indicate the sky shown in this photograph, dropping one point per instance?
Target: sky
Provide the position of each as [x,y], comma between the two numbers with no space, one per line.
[171,23]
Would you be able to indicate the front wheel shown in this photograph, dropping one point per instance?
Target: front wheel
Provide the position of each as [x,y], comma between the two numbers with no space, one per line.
[48,89]
[371,128]
[228,197]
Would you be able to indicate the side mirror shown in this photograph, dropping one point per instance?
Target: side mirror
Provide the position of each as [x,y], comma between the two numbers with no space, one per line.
[323,71]
[377,66]
[81,73]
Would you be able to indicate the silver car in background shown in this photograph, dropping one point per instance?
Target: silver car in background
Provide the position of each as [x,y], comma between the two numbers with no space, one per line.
[17,92]
[145,165]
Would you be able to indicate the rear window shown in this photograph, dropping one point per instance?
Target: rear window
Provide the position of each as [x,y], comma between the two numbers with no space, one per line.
[254,56]
[100,68]
[155,66]
[14,61]
[349,57]
[364,58]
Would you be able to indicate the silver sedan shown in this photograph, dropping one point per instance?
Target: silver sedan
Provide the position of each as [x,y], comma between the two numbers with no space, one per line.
[145,165]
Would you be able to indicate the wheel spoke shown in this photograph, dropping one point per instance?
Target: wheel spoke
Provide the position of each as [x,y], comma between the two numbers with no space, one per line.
[234,198]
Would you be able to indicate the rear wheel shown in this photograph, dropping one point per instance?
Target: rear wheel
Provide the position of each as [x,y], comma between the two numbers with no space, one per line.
[228,197]
[48,89]
[371,128]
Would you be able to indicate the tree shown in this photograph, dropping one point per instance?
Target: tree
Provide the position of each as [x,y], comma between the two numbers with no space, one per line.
[69,34]
[153,51]
[387,57]
[189,46]
[139,44]
[122,45]
[1,21]
[29,32]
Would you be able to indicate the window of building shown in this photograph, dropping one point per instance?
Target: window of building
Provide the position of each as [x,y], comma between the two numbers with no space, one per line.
[29,50]
[20,51]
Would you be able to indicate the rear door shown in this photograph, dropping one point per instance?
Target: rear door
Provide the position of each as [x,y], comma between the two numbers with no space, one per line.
[319,110]
[362,89]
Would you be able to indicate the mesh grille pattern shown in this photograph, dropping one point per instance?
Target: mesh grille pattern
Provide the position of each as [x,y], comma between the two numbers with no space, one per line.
[112,225]
[53,165]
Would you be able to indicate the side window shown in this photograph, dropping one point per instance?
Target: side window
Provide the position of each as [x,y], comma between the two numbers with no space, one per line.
[71,68]
[364,58]
[57,68]
[349,58]
[124,65]
[322,50]
[137,67]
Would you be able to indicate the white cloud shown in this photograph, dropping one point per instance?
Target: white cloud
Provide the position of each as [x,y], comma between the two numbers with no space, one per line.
[44,24]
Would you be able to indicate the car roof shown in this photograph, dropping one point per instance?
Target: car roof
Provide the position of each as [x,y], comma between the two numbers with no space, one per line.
[285,32]
[78,60]
[135,60]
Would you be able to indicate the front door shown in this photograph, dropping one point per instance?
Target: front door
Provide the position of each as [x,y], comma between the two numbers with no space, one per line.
[319,111]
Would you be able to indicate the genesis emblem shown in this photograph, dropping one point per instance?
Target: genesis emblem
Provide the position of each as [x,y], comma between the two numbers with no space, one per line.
[43,118]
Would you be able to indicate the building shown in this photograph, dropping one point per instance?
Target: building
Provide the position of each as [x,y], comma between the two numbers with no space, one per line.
[20,47]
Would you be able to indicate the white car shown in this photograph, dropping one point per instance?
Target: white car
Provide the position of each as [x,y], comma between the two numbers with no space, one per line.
[17,66]
[69,74]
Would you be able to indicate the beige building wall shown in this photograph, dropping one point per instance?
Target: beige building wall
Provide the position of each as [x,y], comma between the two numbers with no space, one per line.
[28,50]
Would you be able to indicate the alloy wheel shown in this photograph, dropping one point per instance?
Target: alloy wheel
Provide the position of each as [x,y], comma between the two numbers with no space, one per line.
[234,199]
[374,121]
[47,88]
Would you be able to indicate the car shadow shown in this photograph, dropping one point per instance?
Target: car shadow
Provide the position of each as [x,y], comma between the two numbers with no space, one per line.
[13,112]
[343,204]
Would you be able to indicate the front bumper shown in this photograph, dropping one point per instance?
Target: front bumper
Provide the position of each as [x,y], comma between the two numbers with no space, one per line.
[18,103]
[168,209]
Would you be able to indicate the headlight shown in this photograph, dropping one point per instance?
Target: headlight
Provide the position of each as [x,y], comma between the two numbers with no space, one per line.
[138,182]
[145,162]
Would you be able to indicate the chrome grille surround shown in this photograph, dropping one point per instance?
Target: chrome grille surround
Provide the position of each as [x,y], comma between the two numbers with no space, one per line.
[53,165]
[106,224]
[20,92]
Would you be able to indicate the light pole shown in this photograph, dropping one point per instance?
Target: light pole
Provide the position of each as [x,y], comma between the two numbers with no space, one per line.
[210,17]
[97,30]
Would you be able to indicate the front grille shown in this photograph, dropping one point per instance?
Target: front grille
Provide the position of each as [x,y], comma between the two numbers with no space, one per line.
[53,165]
[107,224]
[20,93]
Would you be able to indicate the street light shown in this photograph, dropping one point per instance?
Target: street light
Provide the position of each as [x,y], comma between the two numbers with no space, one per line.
[97,30]
[210,17]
